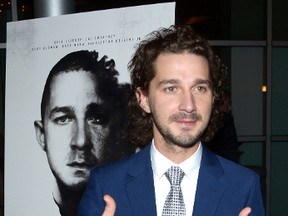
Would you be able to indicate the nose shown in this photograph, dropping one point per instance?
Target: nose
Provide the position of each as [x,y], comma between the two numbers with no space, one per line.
[81,136]
[187,102]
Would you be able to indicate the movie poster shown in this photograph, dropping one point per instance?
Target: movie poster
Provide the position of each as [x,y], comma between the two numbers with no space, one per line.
[75,113]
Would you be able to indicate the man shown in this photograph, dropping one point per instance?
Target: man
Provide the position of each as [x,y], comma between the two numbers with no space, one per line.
[83,113]
[177,81]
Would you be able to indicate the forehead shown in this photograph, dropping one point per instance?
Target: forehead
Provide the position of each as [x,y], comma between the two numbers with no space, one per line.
[190,65]
[73,88]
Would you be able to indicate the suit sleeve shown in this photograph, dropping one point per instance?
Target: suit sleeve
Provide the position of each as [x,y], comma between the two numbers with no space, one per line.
[92,203]
[255,200]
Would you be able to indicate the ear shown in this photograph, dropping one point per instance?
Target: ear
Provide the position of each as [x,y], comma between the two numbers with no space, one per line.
[40,135]
[143,100]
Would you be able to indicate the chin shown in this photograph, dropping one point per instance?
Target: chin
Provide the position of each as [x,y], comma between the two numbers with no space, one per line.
[77,184]
[73,182]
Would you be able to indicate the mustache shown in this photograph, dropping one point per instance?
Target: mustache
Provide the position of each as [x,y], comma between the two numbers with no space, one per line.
[186,116]
[80,156]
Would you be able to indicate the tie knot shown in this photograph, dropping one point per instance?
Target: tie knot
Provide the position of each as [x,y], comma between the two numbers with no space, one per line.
[174,175]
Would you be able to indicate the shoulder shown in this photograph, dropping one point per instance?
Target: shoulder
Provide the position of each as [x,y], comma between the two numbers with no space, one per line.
[236,170]
[229,169]
[238,177]
[120,168]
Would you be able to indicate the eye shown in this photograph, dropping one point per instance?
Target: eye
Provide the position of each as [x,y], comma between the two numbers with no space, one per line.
[201,88]
[170,89]
[63,120]
[97,120]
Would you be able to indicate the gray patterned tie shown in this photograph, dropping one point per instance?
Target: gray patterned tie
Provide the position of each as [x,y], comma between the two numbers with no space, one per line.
[174,203]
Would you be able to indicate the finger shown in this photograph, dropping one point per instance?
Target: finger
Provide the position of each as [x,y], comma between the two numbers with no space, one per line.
[245,212]
[110,207]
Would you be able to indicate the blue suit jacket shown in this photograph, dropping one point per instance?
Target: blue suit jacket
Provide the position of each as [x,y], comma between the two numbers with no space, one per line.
[223,189]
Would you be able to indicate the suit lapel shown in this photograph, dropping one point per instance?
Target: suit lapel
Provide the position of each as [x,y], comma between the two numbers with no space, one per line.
[140,185]
[141,193]
[210,186]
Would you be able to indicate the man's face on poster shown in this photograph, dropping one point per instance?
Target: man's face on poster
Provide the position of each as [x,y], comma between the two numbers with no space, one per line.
[75,128]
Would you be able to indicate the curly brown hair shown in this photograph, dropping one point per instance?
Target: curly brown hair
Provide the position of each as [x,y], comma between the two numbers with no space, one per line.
[176,40]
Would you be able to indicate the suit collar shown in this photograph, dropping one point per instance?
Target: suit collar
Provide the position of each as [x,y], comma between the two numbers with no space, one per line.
[140,185]
[210,186]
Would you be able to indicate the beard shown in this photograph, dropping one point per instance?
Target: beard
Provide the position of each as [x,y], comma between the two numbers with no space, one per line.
[184,139]
[71,184]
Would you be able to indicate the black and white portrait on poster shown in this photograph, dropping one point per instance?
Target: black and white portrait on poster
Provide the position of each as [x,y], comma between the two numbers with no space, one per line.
[67,87]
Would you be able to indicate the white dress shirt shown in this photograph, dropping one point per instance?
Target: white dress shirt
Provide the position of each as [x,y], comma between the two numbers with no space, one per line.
[191,166]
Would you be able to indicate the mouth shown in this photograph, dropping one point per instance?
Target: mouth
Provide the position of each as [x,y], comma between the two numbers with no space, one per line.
[80,165]
[187,123]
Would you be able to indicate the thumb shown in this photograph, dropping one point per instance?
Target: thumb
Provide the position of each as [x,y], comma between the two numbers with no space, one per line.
[245,212]
[110,207]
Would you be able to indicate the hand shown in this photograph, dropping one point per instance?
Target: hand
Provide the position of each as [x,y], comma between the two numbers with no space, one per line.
[245,212]
[110,207]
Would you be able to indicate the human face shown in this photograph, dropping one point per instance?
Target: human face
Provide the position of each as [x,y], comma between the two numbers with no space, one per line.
[179,99]
[76,127]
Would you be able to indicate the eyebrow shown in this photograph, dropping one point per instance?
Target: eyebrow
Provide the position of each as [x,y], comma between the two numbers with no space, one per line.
[202,81]
[175,81]
[64,109]
[168,81]
[90,109]
[100,108]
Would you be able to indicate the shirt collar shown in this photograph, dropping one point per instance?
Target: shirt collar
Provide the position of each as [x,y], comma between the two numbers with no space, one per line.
[160,164]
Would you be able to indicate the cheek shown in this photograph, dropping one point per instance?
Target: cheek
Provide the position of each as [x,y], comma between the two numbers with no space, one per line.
[57,154]
[58,131]
[204,105]
[99,135]
[58,147]
[57,138]
[207,108]
[99,141]
[163,104]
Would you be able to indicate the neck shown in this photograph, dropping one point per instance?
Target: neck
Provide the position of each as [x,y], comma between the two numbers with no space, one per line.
[174,152]
[66,200]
